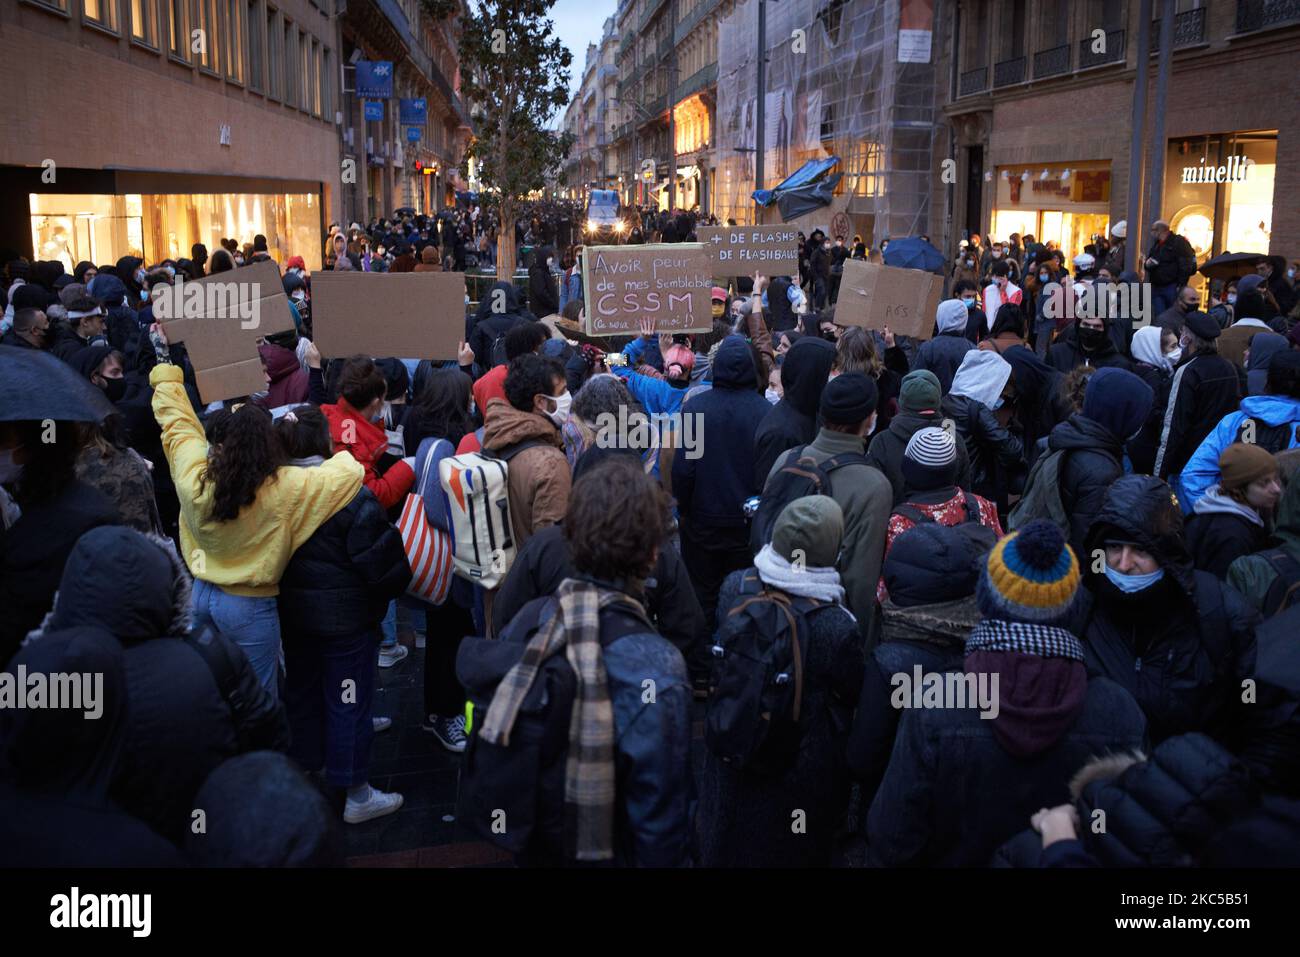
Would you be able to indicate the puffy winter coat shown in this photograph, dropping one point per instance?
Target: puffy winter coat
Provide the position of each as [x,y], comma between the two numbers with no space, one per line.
[1202,469]
[368,444]
[886,450]
[1094,458]
[1181,647]
[1204,389]
[996,454]
[340,581]
[1221,530]
[539,477]
[193,698]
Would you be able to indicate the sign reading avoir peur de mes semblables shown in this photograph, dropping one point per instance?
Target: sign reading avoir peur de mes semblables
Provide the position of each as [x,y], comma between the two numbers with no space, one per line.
[666,282]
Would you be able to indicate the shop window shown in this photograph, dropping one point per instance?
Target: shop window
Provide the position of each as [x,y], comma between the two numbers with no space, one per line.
[144,22]
[102,13]
[1219,191]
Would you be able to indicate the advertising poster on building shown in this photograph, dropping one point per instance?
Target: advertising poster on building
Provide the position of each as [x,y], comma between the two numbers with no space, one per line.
[915,26]
[415,315]
[374,79]
[877,296]
[667,282]
[413,112]
[744,250]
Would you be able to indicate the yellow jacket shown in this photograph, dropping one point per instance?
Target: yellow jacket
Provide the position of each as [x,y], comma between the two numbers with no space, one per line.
[246,556]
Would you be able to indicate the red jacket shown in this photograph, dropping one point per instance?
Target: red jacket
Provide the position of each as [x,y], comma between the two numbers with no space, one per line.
[368,443]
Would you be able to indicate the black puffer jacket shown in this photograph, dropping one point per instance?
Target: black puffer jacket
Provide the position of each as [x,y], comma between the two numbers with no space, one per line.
[793,420]
[339,583]
[1181,647]
[996,454]
[193,698]
[1094,459]
[1205,387]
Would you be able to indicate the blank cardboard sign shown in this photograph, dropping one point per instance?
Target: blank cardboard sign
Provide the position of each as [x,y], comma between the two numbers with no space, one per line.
[745,250]
[220,319]
[667,282]
[876,296]
[411,315]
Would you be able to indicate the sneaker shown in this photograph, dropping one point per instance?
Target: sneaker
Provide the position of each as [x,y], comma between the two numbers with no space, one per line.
[389,656]
[379,804]
[450,732]
[382,724]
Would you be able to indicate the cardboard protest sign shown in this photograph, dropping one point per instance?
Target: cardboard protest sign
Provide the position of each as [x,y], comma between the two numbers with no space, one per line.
[745,250]
[876,296]
[667,282]
[412,315]
[220,319]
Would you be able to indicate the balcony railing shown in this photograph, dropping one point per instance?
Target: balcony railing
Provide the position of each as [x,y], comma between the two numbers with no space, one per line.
[1263,14]
[1009,72]
[1112,51]
[1052,62]
[1189,29]
[973,81]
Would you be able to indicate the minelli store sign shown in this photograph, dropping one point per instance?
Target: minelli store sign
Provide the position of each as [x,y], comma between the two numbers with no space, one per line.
[1234,171]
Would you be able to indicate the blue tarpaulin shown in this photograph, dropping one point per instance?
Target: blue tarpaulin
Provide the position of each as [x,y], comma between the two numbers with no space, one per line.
[806,175]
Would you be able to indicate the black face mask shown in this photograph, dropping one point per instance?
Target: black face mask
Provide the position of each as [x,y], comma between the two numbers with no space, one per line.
[114,389]
[1091,339]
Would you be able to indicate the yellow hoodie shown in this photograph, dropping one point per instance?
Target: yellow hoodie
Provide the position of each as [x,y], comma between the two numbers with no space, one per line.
[245,556]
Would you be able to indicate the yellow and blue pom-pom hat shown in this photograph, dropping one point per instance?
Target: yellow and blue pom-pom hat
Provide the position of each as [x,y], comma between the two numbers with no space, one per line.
[1031,575]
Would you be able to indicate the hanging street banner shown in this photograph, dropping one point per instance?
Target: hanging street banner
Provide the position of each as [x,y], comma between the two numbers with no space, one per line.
[413,111]
[374,79]
[374,110]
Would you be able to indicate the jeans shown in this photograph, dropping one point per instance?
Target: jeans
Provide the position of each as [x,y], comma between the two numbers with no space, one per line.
[1162,297]
[251,623]
[329,693]
[403,617]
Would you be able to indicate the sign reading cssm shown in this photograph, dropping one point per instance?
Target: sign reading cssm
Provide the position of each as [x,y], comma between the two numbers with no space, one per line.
[666,282]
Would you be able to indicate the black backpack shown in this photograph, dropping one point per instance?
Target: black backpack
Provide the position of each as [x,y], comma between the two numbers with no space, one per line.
[498,353]
[1270,438]
[755,712]
[980,535]
[1284,591]
[801,475]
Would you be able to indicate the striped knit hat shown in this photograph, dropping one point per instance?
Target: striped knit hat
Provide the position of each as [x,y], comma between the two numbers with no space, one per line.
[930,460]
[1030,576]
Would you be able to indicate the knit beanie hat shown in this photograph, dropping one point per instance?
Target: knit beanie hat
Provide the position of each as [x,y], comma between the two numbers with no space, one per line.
[849,399]
[930,460]
[1242,463]
[810,528]
[1031,576]
[920,392]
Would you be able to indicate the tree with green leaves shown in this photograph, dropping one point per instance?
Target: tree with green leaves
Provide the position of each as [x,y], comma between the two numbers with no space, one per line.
[515,73]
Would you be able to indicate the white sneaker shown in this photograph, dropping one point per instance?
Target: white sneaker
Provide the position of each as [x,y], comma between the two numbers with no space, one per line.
[381,724]
[379,804]
[391,656]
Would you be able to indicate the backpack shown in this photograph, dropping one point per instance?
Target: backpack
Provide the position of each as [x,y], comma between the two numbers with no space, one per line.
[800,476]
[755,713]
[1284,591]
[477,488]
[513,795]
[1042,497]
[971,528]
[1270,438]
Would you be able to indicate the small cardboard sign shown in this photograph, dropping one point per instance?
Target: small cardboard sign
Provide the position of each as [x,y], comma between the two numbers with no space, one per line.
[876,296]
[220,318]
[411,315]
[745,250]
[667,282]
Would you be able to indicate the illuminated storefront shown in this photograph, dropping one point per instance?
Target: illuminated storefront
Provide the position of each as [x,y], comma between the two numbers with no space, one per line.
[1218,191]
[1064,203]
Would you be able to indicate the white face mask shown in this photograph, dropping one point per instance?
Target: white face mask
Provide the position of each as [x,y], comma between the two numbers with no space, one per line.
[562,403]
[772,395]
[1175,357]
[299,295]
[10,471]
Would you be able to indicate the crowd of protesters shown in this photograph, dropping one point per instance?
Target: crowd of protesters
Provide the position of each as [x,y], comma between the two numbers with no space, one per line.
[1101,521]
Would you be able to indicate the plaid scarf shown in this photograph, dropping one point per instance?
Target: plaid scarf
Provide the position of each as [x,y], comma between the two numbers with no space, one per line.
[589,772]
[992,634]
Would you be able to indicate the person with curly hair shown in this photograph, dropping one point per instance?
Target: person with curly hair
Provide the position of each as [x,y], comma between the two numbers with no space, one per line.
[244,512]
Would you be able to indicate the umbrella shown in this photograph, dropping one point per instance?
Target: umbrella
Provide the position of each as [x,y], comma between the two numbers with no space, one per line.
[1231,265]
[914,253]
[404,211]
[35,385]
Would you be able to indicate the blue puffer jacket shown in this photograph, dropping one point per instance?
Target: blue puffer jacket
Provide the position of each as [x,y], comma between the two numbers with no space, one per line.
[654,786]
[655,395]
[712,485]
[339,583]
[1202,469]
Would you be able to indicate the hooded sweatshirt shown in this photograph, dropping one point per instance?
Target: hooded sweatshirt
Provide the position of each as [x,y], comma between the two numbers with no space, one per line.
[1262,349]
[1202,469]
[793,421]
[1221,530]
[289,384]
[982,376]
[943,354]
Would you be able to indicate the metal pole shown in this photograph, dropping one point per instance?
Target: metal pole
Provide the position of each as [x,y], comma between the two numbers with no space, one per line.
[760,131]
[1157,185]
[672,106]
[1135,232]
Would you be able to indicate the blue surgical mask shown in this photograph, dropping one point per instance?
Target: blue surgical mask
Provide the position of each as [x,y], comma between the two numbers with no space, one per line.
[1131,584]
[970,303]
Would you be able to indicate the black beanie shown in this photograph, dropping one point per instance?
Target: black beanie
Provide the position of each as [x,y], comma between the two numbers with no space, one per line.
[848,399]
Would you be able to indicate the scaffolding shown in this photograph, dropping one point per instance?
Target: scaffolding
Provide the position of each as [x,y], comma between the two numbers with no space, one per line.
[834,87]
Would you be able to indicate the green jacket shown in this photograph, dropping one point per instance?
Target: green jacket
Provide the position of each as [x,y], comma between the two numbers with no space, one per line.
[1252,575]
[866,498]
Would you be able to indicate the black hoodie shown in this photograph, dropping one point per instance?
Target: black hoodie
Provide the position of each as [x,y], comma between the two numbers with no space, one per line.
[489,325]
[793,420]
